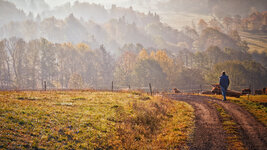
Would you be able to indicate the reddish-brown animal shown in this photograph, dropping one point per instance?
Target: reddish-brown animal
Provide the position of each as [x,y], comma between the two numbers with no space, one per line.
[246,91]
[175,90]
[216,89]
[258,92]
[264,90]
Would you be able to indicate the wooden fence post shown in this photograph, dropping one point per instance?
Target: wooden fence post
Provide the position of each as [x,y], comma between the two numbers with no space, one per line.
[250,91]
[150,88]
[112,86]
[45,85]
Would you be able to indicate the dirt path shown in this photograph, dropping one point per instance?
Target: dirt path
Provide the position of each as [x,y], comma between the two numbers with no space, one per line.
[254,134]
[209,133]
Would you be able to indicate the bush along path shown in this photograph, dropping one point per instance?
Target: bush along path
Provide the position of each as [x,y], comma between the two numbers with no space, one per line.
[223,125]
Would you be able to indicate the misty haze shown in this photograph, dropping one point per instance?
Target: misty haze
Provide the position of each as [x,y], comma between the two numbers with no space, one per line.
[140,67]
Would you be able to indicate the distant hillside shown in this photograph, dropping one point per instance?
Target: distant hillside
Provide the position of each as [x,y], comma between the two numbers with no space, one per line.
[95,25]
[256,41]
[9,12]
[256,21]
[219,8]
[116,27]
[35,6]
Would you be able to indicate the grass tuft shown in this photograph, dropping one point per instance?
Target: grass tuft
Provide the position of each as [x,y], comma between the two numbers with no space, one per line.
[78,98]
[231,128]
[26,98]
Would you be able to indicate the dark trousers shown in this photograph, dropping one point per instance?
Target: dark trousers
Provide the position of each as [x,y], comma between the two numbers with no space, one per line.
[224,92]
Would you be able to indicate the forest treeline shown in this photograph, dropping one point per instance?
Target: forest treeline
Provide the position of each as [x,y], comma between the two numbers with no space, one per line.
[26,65]
[88,46]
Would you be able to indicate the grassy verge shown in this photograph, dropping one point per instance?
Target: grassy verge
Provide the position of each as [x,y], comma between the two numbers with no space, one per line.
[256,105]
[231,129]
[92,120]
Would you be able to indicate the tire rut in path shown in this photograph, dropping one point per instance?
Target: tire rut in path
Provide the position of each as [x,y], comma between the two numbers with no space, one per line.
[209,132]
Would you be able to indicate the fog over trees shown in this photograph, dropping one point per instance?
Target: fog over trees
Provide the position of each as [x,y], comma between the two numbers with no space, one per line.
[86,45]
[219,8]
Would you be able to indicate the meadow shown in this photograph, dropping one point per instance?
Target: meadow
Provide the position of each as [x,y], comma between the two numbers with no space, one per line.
[93,120]
[256,41]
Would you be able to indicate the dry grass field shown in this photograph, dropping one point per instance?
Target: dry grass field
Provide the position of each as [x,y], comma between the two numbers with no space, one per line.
[92,120]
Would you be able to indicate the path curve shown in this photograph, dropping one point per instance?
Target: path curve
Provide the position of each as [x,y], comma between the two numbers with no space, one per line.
[209,132]
[253,132]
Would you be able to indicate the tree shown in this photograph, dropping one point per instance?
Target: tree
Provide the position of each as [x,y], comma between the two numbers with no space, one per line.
[227,21]
[89,65]
[200,60]
[187,58]
[191,32]
[256,74]
[235,54]
[143,55]
[202,25]
[237,22]
[49,66]
[215,55]
[16,51]
[215,24]
[149,71]
[188,78]
[260,58]
[5,77]
[124,68]
[76,82]
[235,35]
[105,68]
[65,61]
[33,54]
[166,63]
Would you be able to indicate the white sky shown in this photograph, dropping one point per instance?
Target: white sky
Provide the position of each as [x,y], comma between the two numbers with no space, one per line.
[107,3]
[104,2]
[140,5]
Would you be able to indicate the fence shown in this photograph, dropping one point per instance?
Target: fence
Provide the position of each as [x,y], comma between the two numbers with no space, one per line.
[189,88]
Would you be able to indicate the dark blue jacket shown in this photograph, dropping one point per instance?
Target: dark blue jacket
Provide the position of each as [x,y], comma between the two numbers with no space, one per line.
[224,81]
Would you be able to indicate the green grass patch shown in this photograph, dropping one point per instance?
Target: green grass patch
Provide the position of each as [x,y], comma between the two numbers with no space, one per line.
[26,98]
[231,128]
[92,120]
[78,98]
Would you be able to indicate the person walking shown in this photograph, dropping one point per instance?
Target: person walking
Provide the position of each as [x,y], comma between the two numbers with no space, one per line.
[224,83]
